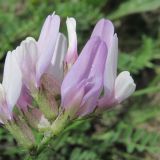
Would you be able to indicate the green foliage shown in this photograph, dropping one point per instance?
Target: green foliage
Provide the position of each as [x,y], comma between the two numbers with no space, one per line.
[7,147]
[141,58]
[83,155]
[134,6]
[133,139]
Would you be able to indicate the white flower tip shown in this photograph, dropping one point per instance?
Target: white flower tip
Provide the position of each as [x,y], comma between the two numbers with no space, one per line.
[71,22]
[72,36]
[55,17]
[124,86]
[27,40]
[30,39]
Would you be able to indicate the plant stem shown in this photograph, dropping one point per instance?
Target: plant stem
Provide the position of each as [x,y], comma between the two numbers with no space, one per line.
[44,142]
[56,128]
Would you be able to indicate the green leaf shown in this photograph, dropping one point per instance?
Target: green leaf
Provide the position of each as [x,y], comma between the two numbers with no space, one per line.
[134,6]
[140,58]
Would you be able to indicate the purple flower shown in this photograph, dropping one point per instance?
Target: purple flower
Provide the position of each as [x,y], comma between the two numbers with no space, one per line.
[95,71]
[51,85]
[116,88]
[90,80]
[83,84]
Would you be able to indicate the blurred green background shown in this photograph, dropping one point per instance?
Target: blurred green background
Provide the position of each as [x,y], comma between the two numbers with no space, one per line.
[130,131]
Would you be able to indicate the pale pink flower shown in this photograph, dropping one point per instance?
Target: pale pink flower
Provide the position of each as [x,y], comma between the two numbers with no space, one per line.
[10,88]
[34,57]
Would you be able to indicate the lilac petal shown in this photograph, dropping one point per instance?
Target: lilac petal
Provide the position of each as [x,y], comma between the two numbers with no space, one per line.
[26,55]
[5,112]
[19,55]
[80,70]
[25,99]
[12,80]
[44,31]
[56,66]
[124,86]
[31,51]
[72,101]
[106,102]
[110,72]
[27,51]
[46,44]
[96,75]
[105,30]
[30,57]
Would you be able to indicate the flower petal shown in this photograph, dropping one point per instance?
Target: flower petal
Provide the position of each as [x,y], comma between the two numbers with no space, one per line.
[46,44]
[72,54]
[25,99]
[5,113]
[30,47]
[124,86]
[72,101]
[105,30]
[56,66]
[12,80]
[26,55]
[96,76]
[80,70]
[110,72]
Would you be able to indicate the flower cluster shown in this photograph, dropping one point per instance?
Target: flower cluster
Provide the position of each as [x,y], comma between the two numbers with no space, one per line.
[46,84]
